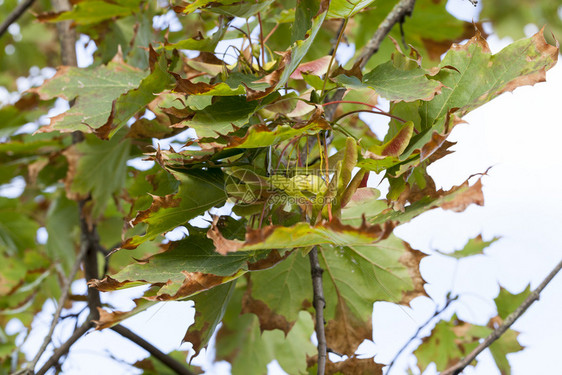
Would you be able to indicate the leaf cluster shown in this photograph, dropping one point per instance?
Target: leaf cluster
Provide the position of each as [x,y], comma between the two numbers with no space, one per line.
[270,156]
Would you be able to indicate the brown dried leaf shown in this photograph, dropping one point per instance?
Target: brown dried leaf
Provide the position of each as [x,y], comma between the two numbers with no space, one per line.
[461,201]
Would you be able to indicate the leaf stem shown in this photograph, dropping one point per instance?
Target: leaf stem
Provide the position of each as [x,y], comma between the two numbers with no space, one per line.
[335,50]
[508,322]
[369,111]
[352,102]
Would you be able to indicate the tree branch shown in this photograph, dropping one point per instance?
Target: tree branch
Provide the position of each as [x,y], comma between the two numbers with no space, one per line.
[319,305]
[60,304]
[90,242]
[16,13]
[67,35]
[399,12]
[508,322]
[415,335]
[64,348]
[173,364]
[402,9]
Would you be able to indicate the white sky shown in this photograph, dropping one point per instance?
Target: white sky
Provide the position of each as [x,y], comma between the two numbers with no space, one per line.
[518,134]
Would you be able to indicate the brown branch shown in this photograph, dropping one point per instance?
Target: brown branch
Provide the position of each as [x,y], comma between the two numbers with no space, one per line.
[319,304]
[534,296]
[173,364]
[64,348]
[67,35]
[90,242]
[16,13]
[399,12]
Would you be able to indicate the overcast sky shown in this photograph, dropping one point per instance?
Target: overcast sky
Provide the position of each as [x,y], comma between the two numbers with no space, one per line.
[518,134]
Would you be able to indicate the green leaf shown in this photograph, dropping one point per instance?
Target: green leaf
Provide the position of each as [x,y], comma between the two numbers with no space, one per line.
[89,12]
[173,210]
[185,268]
[200,44]
[506,344]
[400,79]
[210,307]
[478,76]
[304,14]
[242,9]
[62,227]
[261,136]
[249,351]
[357,276]
[507,17]
[17,229]
[99,168]
[299,49]
[285,287]
[292,350]
[347,8]
[457,199]
[448,343]
[474,246]
[134,100]
[94,89]
[222,116]
[451,341]
[299,235]
[506,303]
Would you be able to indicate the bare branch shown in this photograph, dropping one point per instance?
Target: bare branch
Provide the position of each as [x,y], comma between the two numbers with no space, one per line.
[64,348]
[60,304]
[415,335]
[16,13]
[399,12]
[508,322]
[173,364]
[319,305]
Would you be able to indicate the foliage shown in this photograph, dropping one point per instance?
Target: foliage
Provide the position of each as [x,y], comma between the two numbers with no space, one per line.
[261,170]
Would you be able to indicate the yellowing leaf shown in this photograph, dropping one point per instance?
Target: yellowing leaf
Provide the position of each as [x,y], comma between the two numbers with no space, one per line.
[346,8]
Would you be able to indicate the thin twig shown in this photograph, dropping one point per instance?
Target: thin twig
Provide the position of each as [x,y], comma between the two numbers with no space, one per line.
[508,322]
[16,13]
[173,364]
[60,304]
[415,335]
[333,53]
[64,348]
[399,12]
[262,43]
[319,305]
